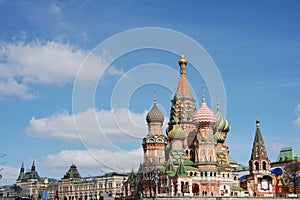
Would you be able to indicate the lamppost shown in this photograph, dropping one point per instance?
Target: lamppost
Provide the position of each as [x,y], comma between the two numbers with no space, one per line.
[123,188]
[156,178]
[169,185]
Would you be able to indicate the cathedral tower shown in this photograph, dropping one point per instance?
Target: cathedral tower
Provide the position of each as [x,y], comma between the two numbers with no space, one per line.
[260,180]
[259,161]
[183,108]
[154,144]
[204,142]
[221,128]
[183,103]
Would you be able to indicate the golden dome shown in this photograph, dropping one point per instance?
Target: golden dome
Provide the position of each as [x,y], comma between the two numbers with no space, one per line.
[182,60]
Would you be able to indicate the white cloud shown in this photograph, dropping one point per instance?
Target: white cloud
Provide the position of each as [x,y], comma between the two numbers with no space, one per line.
[9,175]
[11,87]
[297,111]
[39,62]
[94,159]
[114,71]
[93,126]
[55,9]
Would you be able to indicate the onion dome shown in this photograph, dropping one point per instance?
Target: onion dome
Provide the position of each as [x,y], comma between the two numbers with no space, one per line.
[219,137]
[177,133]
[222,124]
[204,115]
[182,60]
[155,115]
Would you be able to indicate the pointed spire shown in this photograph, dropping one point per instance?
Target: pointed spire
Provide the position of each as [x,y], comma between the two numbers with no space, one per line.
[33,166]
[181,170]
[22,167]
[183,88]
[257,120]
[21,174]
[141,168]
[258,150]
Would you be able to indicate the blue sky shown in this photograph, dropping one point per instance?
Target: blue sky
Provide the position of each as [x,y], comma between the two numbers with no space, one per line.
[255,46]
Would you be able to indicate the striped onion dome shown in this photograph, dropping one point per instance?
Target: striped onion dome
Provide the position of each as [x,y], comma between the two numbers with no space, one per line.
[222,124]
[155,115]
[219,137]
[204,115]
[177,133]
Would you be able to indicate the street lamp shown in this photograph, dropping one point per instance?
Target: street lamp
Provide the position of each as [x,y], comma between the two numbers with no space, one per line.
[156,178]
[123,187]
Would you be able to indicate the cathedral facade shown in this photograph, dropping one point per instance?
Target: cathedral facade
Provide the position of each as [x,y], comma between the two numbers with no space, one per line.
[193,157]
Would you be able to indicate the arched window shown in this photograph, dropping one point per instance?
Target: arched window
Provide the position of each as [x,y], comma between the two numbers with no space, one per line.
[256,165]
[264,164]
[195,173]
[191,173]
[201,174]
[210,173]
[205,173]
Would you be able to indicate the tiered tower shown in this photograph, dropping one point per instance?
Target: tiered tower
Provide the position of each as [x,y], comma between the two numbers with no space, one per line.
[259,181]
[182,109]
[259,162]
[154,144]
[203,147]
[221,129]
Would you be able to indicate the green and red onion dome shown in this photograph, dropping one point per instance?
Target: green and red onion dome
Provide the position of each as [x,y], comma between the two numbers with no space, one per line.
[222,124]
[219,137]
[155,115]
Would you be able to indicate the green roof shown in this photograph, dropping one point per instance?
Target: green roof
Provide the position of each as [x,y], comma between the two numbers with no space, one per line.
[235,188]
[73,172]
[181,170]
[286,154]
[191,168]
[259,151]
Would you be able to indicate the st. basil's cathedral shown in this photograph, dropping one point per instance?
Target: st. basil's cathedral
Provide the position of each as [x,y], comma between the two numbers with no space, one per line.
[192,159]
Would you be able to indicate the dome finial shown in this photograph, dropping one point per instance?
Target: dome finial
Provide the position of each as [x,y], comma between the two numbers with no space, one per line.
[182,60]
[203,96]
[257,119]
[154,97]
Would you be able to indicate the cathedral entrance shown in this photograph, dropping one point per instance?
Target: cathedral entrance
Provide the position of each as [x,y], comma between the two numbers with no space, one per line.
[195,189]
